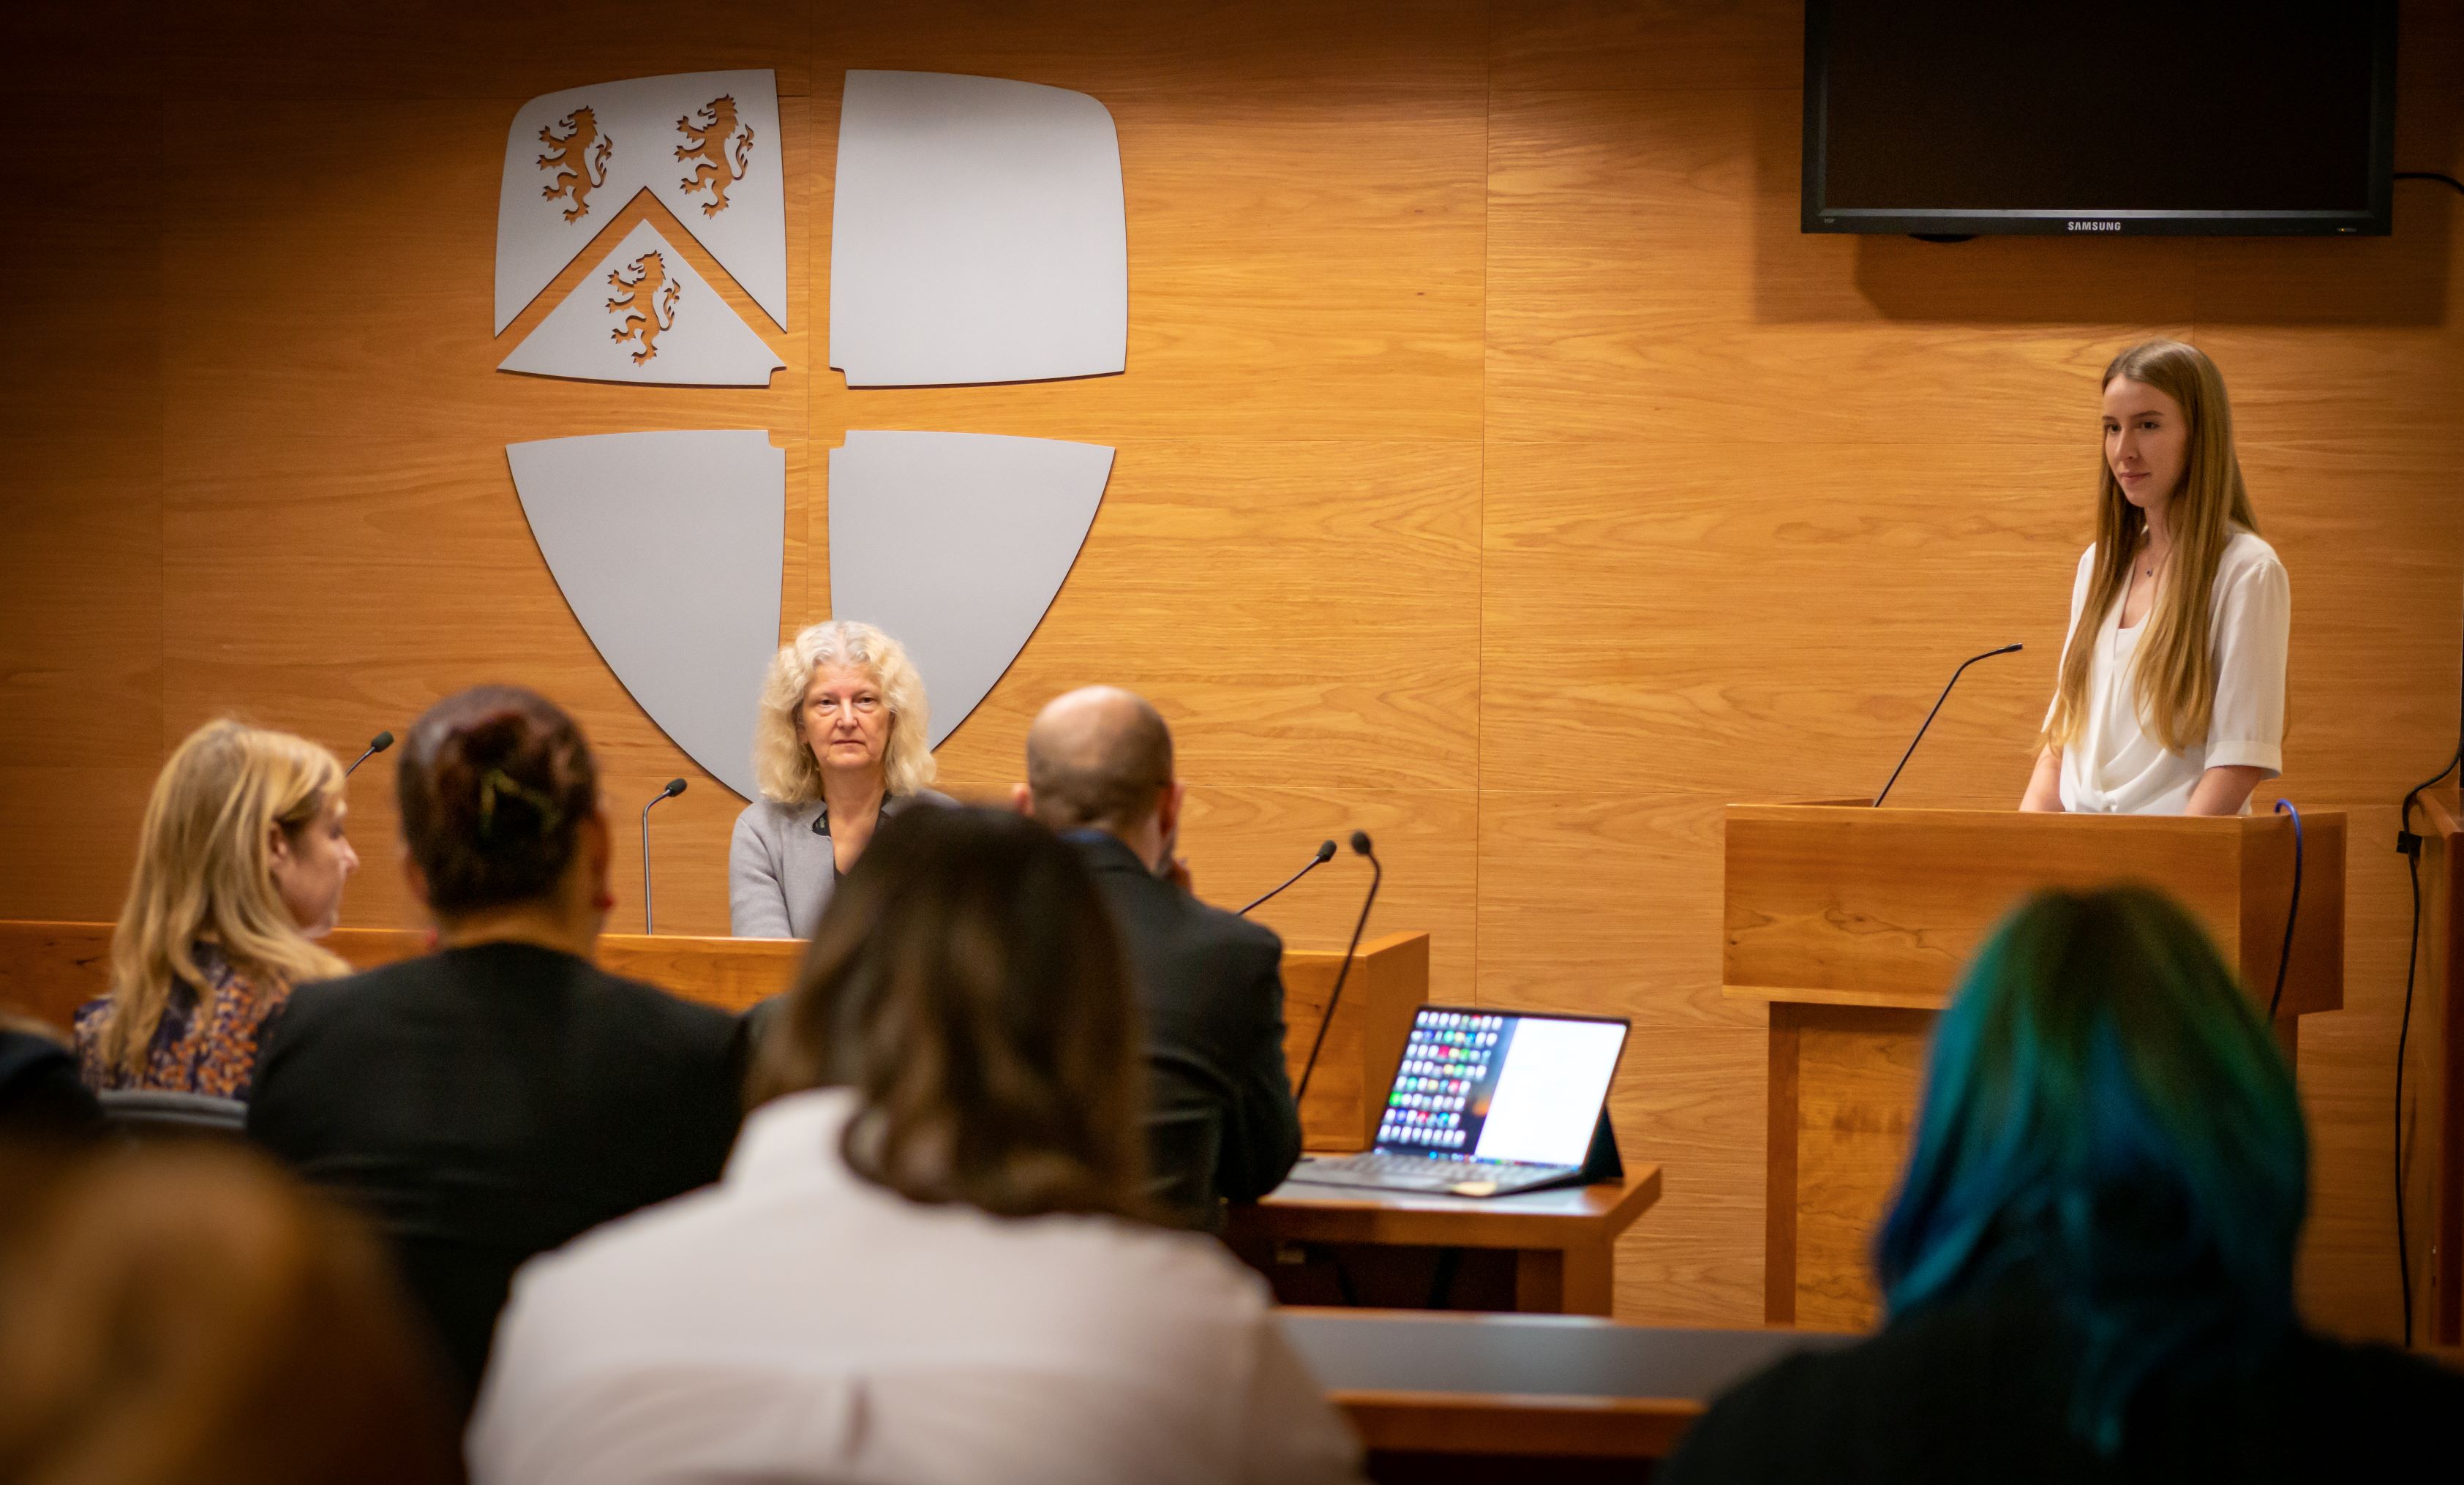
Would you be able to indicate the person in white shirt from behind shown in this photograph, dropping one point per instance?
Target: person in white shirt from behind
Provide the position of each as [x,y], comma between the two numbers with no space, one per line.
[925,1262]
[2171,696]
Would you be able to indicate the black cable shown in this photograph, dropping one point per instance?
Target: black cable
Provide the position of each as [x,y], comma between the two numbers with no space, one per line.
[1324,854]
[2005,649]
[2447,181]
[1334,997]
[2409,846]
[2284,958]
[2404,1029]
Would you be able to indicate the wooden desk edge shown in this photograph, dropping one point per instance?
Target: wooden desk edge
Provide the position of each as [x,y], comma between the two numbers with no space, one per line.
[1517,1423]
[1355,1218]
[1819,995]
[1640,1196]
[1884,1000]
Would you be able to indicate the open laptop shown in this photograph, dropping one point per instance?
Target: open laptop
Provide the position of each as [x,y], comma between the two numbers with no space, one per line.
[1486,1102]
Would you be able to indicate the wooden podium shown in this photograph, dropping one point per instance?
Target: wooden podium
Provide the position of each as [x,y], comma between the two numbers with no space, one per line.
[1853,923]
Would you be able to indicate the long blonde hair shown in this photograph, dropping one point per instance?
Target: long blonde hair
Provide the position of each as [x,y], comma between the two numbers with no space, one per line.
[784,766]
[2175,666]
[204,871]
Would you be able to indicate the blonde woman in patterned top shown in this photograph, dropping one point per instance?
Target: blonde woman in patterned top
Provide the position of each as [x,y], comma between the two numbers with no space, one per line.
[240,866]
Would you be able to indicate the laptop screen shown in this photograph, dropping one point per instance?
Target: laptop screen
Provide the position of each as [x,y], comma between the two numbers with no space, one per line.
[1483,1086]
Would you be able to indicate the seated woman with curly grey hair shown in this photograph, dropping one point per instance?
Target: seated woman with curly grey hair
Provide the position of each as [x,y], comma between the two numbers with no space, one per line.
[840,744]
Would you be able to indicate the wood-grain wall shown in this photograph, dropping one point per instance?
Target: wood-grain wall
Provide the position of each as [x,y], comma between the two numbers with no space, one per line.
[1500,470]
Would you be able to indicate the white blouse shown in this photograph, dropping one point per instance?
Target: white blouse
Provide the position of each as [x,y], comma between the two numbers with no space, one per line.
[796,1323]
[2115,765]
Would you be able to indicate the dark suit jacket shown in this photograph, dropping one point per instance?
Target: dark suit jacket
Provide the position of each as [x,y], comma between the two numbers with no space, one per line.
[1211,989]
[485,1104]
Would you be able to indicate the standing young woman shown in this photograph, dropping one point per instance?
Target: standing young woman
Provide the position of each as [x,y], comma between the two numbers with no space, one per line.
[2172,697]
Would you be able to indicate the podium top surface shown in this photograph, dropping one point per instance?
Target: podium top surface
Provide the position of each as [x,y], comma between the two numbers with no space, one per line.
[1836,902]
[1853,813]
[1559,1218]
[1532,1355]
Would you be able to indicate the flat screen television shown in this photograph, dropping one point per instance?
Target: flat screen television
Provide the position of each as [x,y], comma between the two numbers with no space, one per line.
[2098,116]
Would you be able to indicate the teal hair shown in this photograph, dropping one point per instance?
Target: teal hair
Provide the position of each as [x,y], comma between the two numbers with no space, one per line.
[2106,1115]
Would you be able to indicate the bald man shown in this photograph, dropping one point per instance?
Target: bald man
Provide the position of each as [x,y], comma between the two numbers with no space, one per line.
[1221,1123]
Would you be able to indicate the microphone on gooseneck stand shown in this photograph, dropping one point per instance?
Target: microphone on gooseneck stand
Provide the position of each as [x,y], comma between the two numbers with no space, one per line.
[1359,847]
[675,787]
[1324,854]
[376,745]
[2005,649]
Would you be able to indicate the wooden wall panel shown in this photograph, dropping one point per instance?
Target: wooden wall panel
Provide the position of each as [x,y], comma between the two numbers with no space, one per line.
[1287,555]
[344,543]
[1750,494]
[81,521]
[1500,470]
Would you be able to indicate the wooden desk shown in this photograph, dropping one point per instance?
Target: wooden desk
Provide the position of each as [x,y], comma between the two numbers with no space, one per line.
[1541,1251]
[1538,1388]
[47,970]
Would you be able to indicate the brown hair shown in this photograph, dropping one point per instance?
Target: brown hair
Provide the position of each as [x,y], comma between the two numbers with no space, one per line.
[2175,666]
[967,983]
[185,1312]
[204,871]
[495,784]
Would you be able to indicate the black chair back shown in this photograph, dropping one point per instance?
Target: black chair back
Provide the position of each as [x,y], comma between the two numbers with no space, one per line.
[147,1114]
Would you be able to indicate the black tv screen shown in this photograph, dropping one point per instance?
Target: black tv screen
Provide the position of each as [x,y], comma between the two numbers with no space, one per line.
[1957,116]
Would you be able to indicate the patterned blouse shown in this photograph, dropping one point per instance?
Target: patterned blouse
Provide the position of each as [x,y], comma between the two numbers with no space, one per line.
[204,1044]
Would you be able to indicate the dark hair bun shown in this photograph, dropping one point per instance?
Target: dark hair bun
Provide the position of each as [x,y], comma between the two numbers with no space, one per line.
[493,784]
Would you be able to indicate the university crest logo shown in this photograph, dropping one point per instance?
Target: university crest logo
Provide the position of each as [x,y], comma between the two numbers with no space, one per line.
[978,235]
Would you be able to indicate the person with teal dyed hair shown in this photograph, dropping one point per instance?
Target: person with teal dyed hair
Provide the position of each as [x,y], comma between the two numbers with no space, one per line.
[2088,1269]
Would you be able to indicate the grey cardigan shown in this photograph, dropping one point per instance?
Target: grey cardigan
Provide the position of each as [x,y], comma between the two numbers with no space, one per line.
[781,869]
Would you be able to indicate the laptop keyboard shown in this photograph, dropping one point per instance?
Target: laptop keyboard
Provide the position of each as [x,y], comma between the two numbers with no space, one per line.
[1420,1173]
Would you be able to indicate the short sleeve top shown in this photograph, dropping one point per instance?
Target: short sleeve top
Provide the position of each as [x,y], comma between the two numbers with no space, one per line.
[2116,765]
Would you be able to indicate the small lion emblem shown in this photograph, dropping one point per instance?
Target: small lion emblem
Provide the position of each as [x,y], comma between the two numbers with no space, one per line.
[708,142]
[648,286]
[581,150]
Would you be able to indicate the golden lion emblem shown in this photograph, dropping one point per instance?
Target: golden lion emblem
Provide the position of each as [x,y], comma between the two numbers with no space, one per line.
[707,141]
[641,322]
[572,163]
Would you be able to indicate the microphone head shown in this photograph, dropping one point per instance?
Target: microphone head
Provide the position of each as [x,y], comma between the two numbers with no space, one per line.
[1360,844]
[381,742]
[1325,851]
[675,787]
